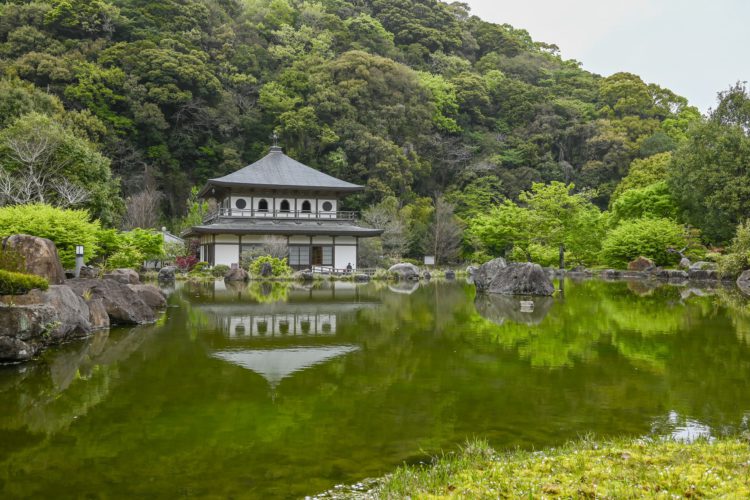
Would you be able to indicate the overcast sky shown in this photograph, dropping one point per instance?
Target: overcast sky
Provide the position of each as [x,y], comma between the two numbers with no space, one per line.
[693,47]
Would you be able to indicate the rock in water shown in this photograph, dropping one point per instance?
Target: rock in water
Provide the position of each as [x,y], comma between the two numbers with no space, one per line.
[124,276]
[237,274]
[641,264]
[672,274]
[166,274]
[123,305]
[151,295]
[520,279]
[743,282]
[39,254]
[685,263]
[486,272]
[450,275]
[405,271]
[361,278]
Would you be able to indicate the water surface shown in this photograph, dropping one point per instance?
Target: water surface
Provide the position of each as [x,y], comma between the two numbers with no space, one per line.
[278,391]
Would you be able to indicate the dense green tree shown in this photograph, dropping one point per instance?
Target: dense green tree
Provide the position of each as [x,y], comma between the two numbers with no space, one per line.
[710,174]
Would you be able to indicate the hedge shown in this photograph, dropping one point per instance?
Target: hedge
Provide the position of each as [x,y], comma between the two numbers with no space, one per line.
[19,283]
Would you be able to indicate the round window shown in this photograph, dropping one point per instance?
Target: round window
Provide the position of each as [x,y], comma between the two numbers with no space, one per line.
[327,206]
[240,203]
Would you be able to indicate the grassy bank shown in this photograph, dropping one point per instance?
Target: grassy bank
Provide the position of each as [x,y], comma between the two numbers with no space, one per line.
[584,469]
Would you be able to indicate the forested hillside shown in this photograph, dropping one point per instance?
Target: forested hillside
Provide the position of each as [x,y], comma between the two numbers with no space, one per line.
[412,99]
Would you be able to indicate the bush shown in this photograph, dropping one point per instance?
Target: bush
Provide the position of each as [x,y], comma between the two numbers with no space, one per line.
[12,283]
[279,266]
[220,270]
[186,263]
[737,257]
[128,256]
[543,255]
[199,267]
[648,237]
[66,228]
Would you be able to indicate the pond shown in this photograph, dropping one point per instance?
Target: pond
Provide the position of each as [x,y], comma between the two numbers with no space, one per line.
[284,391]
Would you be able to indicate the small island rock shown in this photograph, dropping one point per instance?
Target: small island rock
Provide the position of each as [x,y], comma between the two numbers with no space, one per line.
[237,274]
[486,272]
[405,270]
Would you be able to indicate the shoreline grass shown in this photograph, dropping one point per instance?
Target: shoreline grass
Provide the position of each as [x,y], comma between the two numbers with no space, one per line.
[618,468]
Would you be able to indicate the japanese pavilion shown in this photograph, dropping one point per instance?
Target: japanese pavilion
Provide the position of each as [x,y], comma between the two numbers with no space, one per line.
[278,196]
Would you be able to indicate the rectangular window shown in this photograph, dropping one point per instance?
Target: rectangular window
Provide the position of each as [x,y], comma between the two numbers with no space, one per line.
[327,256]
[299,256]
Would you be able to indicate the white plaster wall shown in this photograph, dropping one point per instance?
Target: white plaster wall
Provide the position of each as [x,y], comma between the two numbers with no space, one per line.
[345,255]
[322,240]
[227,254]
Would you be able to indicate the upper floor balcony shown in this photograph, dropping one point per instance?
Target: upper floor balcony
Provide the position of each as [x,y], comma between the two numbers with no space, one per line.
[223,213]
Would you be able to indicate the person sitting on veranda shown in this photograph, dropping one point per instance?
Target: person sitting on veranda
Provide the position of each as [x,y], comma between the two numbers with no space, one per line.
[349,268]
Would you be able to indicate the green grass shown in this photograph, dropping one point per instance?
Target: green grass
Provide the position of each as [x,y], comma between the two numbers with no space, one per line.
[639,468]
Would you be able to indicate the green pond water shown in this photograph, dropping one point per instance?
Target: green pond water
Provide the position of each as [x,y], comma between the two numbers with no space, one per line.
[278,392]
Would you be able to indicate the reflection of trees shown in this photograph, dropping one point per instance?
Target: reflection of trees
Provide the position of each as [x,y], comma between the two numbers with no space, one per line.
[428,372]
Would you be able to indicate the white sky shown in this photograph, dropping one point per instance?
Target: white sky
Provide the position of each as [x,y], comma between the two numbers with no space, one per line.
[694,47]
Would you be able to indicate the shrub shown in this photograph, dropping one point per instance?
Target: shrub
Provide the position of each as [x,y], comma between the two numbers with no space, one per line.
[128,256]
[648,237]
[65,227]
[186,262]
[12,283]
[279,266]
[543,255]
[737,257]
[220,270]
[199,267]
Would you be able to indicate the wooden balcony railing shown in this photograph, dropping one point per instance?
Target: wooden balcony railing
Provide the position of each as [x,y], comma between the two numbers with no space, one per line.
[277,214]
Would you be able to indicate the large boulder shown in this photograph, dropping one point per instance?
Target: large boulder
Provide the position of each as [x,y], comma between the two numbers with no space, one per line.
[24,329]
[405,270]
[486,272]
[640,264]
[124,276]
[98,316]
[167,274]
[743,282]
[39,254]
[72,312]
[31,322]
[237,274]
[151,295]
[123,305]
[471,270]
[520,279]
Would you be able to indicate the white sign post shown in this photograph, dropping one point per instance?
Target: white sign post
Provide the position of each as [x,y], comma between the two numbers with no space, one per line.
[429,260]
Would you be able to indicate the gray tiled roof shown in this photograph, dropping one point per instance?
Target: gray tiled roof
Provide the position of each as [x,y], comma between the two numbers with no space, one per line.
[278,171]
[275,226]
